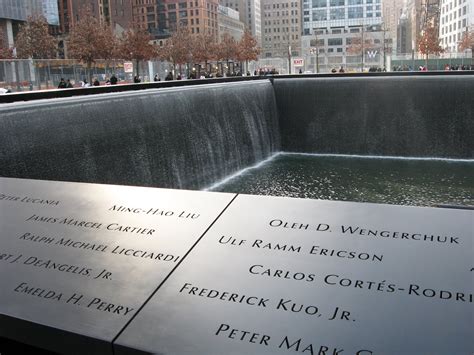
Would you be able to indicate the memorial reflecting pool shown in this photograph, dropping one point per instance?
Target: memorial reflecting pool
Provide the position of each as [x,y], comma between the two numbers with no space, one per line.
[417,182]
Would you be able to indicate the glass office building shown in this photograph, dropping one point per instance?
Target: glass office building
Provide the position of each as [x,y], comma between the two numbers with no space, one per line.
[343,33]
[340,13]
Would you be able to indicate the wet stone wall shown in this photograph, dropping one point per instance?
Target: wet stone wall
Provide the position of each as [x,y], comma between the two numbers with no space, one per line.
[416,116]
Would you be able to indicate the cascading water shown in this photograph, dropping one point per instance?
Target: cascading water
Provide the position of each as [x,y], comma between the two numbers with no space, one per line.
[176,138]
[194,136]
[223,136]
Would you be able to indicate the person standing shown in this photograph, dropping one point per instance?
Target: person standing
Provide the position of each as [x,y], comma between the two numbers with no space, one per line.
[62,84]
[113,80]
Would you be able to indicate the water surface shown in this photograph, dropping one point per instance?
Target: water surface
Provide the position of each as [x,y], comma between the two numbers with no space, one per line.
[418,182]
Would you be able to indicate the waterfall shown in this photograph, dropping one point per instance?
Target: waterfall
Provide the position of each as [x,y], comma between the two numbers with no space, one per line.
[193,136]
[185,137]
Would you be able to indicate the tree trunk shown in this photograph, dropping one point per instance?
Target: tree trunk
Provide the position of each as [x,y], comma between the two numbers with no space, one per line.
[48,76]
[426,61]
[38,77]
[89,72]
[17,75]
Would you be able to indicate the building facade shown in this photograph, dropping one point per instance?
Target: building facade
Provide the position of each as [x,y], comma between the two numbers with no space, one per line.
[228,21]
[50,11]
[65,15]
[391,12]
[456,16]
[15,12]
[161,18]
[343,33]
[403,22]
[404,35]
[328,14]
[151,15]
[116,13]
[121,15]
[414,15]
[250,13]
[281,24]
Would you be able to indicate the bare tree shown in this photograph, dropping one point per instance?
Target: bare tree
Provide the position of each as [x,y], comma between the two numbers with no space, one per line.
[177,49]
[467,40]
[315,47]
[90,40]
[203,49]
[428,43]
[5,51]
[111,50]
[34,41]
[135,45]
[360,44]
[247,49]
[227,49]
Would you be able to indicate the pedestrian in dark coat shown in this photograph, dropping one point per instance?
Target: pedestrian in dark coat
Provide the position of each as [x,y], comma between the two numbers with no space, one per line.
[113,79]
[62,84]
